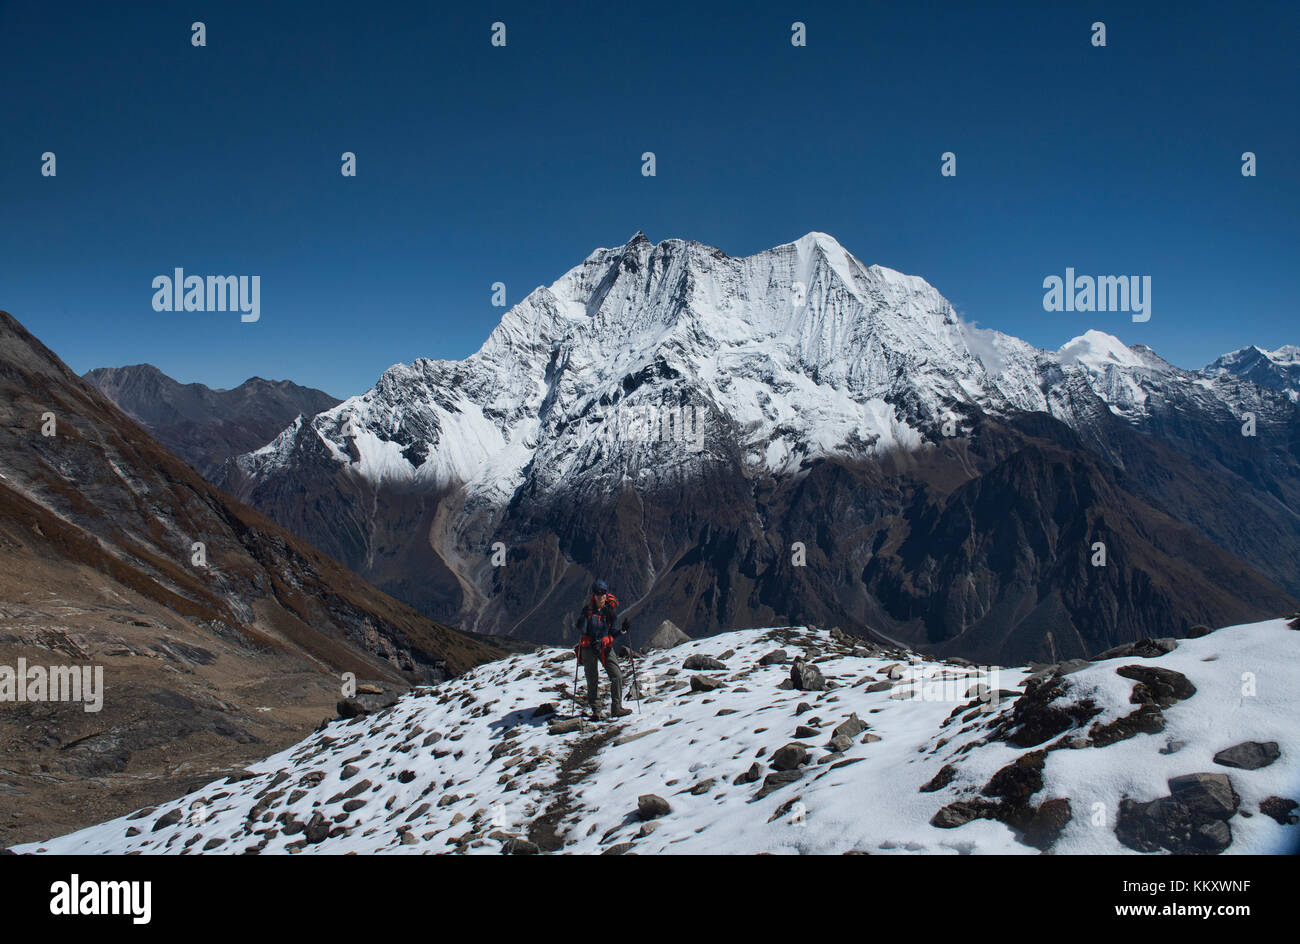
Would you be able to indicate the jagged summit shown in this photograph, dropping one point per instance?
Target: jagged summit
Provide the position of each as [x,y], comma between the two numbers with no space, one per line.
[1275,370]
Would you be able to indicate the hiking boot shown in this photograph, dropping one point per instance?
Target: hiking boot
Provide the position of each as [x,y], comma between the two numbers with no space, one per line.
[620,712]
[595,711]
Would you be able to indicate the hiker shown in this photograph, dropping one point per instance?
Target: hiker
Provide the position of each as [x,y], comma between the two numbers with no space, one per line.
[598,626]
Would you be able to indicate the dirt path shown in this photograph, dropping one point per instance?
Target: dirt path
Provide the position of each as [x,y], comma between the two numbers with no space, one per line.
[575,767]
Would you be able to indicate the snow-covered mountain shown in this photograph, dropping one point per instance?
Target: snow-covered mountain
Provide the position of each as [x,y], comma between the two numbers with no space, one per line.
[788,740]
[802,350]
[672,381]
[1276,370]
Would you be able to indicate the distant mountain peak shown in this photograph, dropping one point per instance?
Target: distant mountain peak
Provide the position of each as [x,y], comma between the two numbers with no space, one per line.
[1097,349]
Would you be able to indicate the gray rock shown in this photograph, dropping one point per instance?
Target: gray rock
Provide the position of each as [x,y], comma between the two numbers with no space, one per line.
[790,757]
[775,657]
[318,828]
[959,814]
[851,727]
[775,781]
[1147,719]
[1048,821]
[1191,820]
[1143,649]
[806,677]
[1164,685]
[650,806]
[749,776]
[170,818]
[706,683]
[841,743]
[366,702]
[947,773]
[1249,755]
[519,846]
[703,663]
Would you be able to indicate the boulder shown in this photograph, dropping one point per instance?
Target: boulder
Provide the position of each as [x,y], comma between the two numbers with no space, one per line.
[1164,685]
[851,727]
[960,813]
[703,663]
[775,781]
[705,683]
[1148,719]
[1191,820]
[806,677]
[1143,649]
[1249,755]
[366,703]
[170,818]
[940,780]
[651,806]
[517,846]
[318,828]
[790,757]
[1048,821]
[666,636]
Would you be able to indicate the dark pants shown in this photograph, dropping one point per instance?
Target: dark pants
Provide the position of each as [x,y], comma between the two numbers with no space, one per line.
[591,661]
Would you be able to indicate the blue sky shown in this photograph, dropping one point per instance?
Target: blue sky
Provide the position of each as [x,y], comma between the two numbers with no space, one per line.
[479,164]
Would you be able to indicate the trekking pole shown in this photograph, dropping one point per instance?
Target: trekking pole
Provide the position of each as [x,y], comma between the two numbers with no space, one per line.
[631,654]
[577,707]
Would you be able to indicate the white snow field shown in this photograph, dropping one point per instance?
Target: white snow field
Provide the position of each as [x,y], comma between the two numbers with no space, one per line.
[470,765]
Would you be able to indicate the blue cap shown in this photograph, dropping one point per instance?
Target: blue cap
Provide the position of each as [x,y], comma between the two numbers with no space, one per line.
[600,587]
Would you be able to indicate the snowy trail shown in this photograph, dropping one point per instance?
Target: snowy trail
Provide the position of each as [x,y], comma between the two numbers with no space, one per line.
[479,764]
